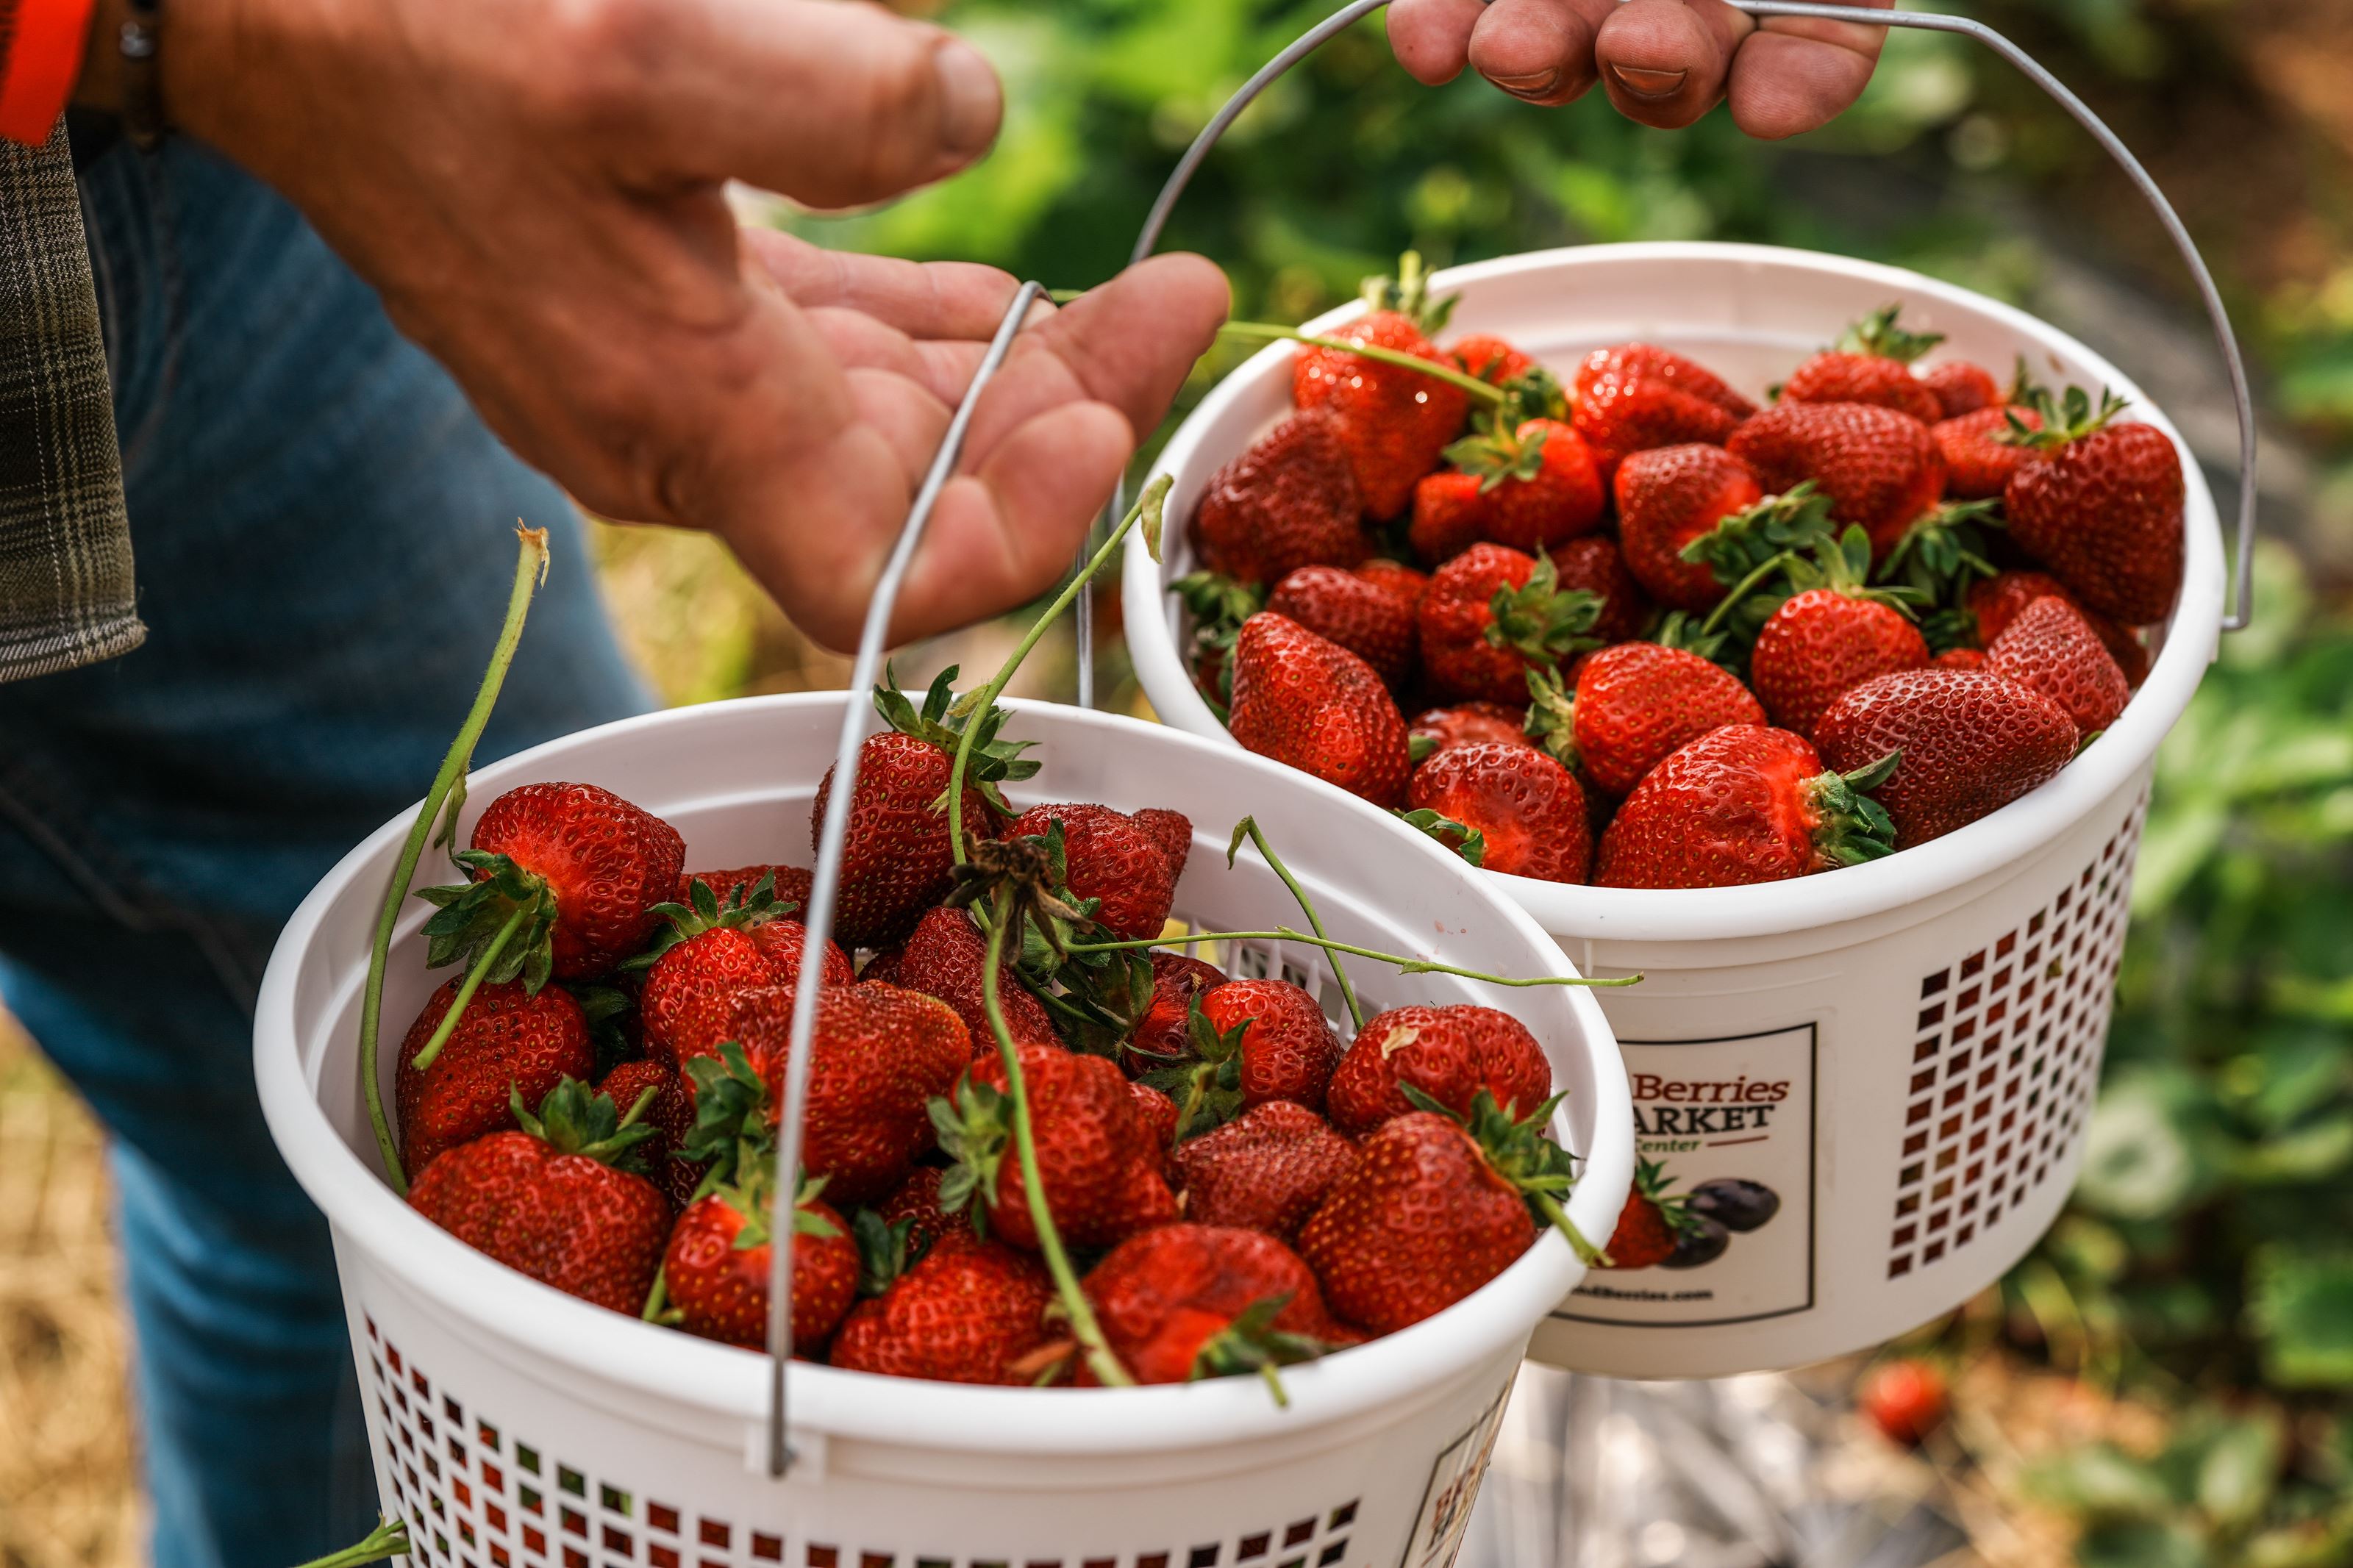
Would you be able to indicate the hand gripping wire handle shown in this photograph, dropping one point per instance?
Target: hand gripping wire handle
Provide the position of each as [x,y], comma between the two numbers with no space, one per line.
[2242,606]
[825,882]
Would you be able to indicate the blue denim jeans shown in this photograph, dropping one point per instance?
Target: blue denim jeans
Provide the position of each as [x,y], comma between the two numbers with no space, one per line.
[324,534]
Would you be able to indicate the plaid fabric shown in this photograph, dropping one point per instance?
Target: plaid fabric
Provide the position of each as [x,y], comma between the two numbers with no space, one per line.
[65,543]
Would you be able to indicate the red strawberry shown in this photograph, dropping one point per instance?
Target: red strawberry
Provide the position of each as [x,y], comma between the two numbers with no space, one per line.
[1393,421]
[2052,648]
[1107,855]
[1905,1399]
[1651,1224]
[1634,397]
[1872,363]
[1880,468]
[1465,724]
[1449,1054]
[1491,615]
[943,958]
[1959,658]
[917,1204]
[1971,743]
[1102,1171]
[1171,832]
[791,884]
[783,942]
[1823,641]
[705,956]
[1160,1118]
[581,867]
[1638,701]
[1540,481]
[969,1311]
[2100,503]
[716,1267]
[1595,565]
[1997,601]
[1163,1035]
[1306,700]
[896,860]
[507,1042]
[1528,809]
[1424,1220]
[1268,1168]
[1287,1048]
[1962,387]
[1743,803]
[1290,502]
[1373,623]
[1450,516]
[1187,1301]
[1977,462]
[550,1200]
[1490,358]
[669,1114]
[1666,499]
[879,1057]
[1396,577]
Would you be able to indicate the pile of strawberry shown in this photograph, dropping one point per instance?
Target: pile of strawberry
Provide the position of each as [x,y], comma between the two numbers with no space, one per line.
[1654,635]
[1227,1185]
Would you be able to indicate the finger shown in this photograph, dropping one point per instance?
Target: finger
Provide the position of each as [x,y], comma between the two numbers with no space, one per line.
[1540,50]
[1431,39]
[1128,344]
[909,416]
[1663,62]
[1003,534]
[832,104]
[1796,73]
[933,300]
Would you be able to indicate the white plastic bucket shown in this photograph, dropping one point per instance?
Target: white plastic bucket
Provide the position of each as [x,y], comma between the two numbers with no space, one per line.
[1925,1029]
[515,1425]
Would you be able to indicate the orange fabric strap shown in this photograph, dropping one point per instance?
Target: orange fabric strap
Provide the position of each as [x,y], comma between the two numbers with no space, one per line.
[41,44]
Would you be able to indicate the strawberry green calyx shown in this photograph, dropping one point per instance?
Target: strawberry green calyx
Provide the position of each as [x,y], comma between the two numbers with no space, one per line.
[2065,419]
[953,727]
[1208,1088]
[731,1132]
[1540,619]
[1766,536]
[748,1197]
[501,922]
[1461,837]
[574,1118]
[1688,632]
[1877,334]
[886,1250]
[1407,291]
[1029,872]
[1944,551]
[1551,722]
[447,792]
[1650,1184]
[705,911]
[1518,1150]
[1853,827]
[1499,454]
[1534,394]
[1218,607]
[1843,567]
[974,1128]
[1251,1343]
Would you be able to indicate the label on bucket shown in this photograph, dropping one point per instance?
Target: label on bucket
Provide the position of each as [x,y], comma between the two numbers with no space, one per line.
[1720,1226]
[1453,1487]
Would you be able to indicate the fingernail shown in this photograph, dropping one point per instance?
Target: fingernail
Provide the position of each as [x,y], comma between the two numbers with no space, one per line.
[1536,84]
[970,100]
[1648,83]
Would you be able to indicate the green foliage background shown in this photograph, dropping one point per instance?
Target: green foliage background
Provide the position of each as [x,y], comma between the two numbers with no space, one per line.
[2207,1264]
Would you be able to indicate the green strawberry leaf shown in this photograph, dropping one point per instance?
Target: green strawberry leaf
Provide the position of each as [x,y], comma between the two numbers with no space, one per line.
[1460,838]
[1878,335]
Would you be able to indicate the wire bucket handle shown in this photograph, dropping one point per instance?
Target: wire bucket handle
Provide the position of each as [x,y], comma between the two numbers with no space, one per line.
[2240,609]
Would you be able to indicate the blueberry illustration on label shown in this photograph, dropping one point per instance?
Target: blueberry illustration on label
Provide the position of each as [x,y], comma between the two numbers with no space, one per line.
[1704,1243]
[1734,1204]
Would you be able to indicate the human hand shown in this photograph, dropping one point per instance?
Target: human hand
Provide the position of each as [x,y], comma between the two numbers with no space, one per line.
[535,188]
[1663,62]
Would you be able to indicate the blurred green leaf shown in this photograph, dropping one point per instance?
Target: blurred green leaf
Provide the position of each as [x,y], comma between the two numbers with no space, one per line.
[2142,1545]
[2100,1481]
[2301,1308]
[2236,1477]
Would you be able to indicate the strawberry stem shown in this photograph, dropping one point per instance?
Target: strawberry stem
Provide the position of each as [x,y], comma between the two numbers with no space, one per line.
[1145,509]
[1041,1217]
[1481,392]
[1586,1251]
[1404,965]
[656,1299]
[531,570]
[388,1538]
[1740,591]
[482,966]
[1248,827]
